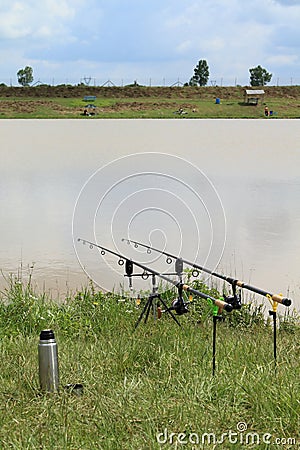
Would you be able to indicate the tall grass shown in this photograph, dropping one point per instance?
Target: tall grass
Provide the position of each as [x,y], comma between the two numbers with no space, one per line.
[140,386]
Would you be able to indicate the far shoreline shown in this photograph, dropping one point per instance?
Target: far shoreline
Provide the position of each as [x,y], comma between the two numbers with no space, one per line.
[140,102]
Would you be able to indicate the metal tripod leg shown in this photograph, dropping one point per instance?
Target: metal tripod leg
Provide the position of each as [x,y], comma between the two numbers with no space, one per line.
[146,310]
[274,315]
[170,312]
[147,307]
[216,318]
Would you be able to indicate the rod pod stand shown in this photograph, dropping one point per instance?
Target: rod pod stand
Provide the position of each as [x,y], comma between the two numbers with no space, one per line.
[273,313]
[216,318]
[218,303]
[150,304]
[180,286]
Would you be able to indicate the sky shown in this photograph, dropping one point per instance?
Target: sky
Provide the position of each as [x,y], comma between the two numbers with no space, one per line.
[157,42]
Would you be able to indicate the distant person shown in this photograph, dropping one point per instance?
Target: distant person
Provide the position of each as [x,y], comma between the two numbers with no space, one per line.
[266,111]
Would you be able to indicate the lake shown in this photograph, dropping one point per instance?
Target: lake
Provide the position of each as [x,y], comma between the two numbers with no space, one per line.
[222,193]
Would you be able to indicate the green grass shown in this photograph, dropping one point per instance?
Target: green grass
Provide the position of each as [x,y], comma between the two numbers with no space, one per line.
[143,382]
[145,107]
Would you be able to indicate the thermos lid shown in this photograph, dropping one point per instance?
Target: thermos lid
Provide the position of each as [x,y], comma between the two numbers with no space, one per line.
[46,335]
[76,389]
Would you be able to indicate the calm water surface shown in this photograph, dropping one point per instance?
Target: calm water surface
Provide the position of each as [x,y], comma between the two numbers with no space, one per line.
[223,193]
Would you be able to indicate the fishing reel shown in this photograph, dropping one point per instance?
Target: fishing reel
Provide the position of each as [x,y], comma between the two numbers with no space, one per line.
[235,299]
[179,306]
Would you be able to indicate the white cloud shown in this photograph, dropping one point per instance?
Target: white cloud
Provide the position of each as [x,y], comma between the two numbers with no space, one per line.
[60,8]
[11,24]
[34,18]
[151,38]
[283,60]
[184,46]
[288,2]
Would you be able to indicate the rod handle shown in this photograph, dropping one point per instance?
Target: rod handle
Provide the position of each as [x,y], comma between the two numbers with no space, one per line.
[280,299]
[275,297]
[223,305]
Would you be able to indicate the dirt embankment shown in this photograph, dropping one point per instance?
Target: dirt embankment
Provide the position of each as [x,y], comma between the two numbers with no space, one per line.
[24,106]
[66,91]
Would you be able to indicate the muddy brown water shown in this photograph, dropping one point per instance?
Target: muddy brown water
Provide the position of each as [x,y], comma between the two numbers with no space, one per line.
[222,193]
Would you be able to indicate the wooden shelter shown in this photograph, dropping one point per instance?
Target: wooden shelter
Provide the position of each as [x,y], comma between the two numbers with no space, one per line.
[254,96]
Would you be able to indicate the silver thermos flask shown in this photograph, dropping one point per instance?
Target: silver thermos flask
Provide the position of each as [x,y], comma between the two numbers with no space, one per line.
[48,362]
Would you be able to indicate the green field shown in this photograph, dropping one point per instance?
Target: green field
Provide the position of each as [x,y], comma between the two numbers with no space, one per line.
[145,102]
[141,386]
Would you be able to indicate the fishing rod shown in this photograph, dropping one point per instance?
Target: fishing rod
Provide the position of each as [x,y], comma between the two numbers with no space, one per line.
[279,298]
[178,305]
[178,284]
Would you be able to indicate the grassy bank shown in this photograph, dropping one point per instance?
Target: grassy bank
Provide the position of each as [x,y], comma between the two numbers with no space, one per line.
[145,102]
[137,384]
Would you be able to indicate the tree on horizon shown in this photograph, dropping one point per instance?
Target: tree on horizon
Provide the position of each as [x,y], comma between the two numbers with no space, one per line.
[201,74]
[259,76]
[25,76]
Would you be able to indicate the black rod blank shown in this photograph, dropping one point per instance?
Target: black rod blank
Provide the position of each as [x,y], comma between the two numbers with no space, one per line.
[221,304]
[275,297]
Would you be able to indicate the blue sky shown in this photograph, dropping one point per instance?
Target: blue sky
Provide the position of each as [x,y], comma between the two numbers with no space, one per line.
[154,42]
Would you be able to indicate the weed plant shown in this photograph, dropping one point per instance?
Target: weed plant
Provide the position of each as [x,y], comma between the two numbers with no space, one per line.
[141,386]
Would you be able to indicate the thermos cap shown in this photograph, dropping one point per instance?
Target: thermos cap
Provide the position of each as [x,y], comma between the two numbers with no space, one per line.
[46,335]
